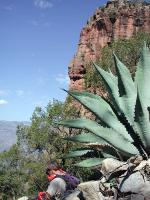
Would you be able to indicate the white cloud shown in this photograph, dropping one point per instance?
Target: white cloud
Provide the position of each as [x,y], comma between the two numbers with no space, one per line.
[5,92]
[46,24]
[33,54]
[40,22]
[23,93]
[41,81]
[42,102]
[34,22]
[62,79]
[8,8]
[3,102]
[20,93]
[43,4]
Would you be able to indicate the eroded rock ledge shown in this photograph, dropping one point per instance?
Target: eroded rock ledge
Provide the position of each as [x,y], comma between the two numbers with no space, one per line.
[116,20]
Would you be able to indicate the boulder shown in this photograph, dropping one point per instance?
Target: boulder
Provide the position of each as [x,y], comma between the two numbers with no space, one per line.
[91,190]
[75,195]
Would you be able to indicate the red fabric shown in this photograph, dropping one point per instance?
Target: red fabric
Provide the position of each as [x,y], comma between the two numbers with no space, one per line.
[51,177]
[57,172]
[41,195]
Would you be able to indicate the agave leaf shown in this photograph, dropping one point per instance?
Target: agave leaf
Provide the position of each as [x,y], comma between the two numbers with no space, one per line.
[110,150]
[131,129]
[109,135]
[111,84]
[87,138]
[142,77]
[127,90]
[102,110]
[121,103]
[78,153]
[124,79]
[106,150]
[96,145]
[104,153]
[142,124]
[91,162]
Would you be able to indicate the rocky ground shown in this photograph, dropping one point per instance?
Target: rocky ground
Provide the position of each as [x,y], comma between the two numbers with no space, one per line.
[128,180]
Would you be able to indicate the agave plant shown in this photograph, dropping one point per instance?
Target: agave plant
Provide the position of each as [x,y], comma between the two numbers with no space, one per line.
[123,126]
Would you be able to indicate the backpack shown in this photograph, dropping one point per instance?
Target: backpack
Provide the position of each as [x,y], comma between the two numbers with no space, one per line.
[70,180]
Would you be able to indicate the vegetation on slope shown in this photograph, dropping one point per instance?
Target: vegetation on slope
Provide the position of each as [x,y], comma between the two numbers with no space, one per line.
[126,50]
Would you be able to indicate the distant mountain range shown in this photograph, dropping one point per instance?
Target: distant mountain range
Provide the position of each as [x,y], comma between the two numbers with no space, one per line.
[8,133]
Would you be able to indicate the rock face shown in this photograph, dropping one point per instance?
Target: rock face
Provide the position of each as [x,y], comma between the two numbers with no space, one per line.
[116,20]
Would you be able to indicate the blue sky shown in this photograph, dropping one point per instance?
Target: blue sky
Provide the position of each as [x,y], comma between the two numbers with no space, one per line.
[38,39]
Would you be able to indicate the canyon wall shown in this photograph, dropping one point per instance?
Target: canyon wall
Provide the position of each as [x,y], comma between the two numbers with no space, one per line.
[116,20]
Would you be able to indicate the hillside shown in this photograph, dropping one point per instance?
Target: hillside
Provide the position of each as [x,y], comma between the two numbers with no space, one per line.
[8,133]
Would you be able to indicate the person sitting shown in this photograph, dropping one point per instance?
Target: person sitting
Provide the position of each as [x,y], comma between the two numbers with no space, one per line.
[57,186]
[61,182]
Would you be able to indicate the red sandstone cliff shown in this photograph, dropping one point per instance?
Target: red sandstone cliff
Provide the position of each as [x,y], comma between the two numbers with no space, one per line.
[115,20]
